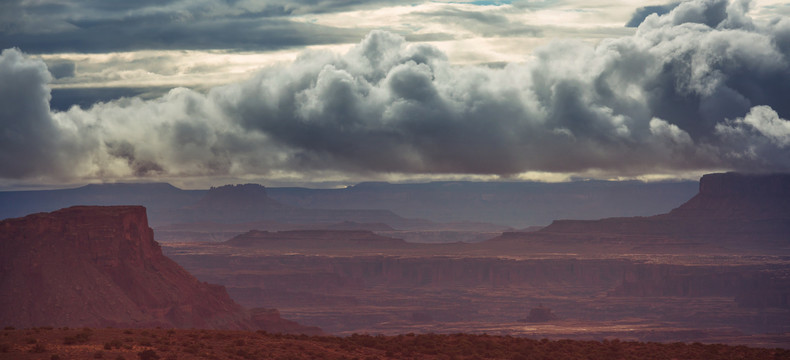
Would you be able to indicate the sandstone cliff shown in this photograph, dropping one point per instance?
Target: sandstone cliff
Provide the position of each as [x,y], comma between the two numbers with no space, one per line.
[736,210]
[100,266]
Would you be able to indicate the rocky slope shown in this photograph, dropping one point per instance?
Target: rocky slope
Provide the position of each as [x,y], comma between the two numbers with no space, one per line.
[100,266]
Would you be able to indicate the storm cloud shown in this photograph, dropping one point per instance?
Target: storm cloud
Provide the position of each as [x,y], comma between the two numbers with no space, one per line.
[700,87]
[98,26]
[642,13]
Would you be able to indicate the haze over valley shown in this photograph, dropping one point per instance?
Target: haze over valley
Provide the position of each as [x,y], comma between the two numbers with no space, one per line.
[713,269]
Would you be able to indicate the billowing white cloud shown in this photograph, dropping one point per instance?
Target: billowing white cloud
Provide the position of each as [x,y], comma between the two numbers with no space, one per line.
[762,124]
[701,87]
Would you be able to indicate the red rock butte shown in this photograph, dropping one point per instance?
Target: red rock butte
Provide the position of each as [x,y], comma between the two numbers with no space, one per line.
[100,266]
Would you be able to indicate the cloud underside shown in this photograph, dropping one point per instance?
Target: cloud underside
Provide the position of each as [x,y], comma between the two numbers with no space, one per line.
[701,87]
[110,25]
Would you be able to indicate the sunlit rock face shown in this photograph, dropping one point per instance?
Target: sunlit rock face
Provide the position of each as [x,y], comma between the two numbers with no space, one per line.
[100,266]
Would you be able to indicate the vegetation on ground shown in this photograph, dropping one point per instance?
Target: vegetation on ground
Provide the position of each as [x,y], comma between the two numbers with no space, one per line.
[169,344]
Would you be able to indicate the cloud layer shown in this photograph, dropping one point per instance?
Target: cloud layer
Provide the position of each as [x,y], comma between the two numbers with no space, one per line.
[701,87]
[113,25]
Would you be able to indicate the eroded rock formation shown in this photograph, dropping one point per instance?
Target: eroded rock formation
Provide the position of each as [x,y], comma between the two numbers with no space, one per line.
[100,266]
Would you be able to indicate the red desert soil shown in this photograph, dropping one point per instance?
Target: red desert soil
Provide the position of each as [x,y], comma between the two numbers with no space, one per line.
[149,344]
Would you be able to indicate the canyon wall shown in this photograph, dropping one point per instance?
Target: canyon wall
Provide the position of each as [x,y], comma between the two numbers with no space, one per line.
[100,266]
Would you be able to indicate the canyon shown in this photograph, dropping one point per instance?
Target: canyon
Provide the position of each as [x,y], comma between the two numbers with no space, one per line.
[686,275]
[714,269]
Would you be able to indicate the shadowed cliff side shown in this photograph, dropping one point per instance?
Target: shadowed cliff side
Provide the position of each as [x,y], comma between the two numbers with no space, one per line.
[743,211]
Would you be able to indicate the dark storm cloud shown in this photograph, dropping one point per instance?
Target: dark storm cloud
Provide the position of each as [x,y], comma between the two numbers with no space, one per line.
[126,151]
[641,13]
[65,98]
[100,26]
[24,116]
[692,89]
[159,33]
[61,69]
[31,143]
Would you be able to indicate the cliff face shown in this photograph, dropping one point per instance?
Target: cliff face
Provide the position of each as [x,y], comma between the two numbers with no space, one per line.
[739,196]
[736,209]
[100,266]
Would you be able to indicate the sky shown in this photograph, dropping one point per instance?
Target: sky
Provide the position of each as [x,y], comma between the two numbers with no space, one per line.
[327,93]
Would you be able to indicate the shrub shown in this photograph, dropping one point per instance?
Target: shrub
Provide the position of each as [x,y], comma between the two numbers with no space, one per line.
[148,355]
[39,348]
[84,336]
[79,338]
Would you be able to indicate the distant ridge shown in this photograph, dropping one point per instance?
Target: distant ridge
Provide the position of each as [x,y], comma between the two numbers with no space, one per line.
[160,199]
[250,203]
[232,204]
[236,198]
[740,211]
[508,204]
[504,204]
